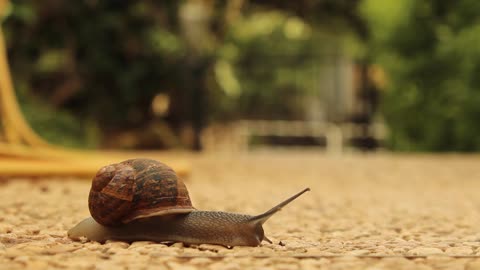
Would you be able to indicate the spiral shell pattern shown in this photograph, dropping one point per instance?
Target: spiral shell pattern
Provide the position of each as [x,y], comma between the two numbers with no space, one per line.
[134,189]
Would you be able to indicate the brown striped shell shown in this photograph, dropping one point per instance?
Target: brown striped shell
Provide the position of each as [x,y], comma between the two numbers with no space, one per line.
[134,189]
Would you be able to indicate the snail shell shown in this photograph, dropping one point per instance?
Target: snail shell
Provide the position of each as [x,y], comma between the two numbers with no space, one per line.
[134,189]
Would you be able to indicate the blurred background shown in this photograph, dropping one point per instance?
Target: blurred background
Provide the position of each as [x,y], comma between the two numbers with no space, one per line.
[205,75]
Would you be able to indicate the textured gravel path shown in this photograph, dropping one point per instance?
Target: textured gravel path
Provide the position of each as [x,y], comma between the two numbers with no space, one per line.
[372,211]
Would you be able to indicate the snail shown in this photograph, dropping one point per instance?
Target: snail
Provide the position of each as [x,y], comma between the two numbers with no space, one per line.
[143,199]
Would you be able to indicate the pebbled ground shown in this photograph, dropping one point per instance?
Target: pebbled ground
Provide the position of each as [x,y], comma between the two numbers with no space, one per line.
[364,211]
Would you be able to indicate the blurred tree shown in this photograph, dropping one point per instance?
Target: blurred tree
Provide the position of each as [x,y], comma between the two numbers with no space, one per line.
[267,57]
[343,18]
[430,52]
[264,66]
[98,63]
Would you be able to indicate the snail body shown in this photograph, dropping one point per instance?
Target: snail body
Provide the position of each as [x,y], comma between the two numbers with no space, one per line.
[159,219]
[197,227]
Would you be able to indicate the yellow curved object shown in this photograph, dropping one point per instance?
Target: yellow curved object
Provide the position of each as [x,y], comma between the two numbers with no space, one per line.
[16,128]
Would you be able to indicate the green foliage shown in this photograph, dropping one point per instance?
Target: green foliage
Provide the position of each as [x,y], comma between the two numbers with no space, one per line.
[56,125]
[264,67]
[431,54]
[60,126]
[101,61]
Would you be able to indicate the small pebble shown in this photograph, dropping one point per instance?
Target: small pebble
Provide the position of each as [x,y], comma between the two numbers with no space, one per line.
[358,252]
[180,266]
[200,261]
[424,251]
[214,248]
[60,249]
[178,245]
[459,251]
[116,244]
[140,244]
